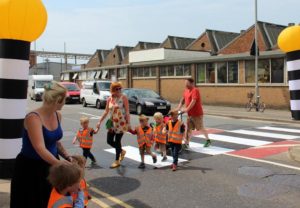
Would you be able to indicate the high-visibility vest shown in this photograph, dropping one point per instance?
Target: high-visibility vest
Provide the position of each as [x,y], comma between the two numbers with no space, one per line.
[83,187]
[159,137]
[85,138]
[57,200]
[144,137]
[174,133]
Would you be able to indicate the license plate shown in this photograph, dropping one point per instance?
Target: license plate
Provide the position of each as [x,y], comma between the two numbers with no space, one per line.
[75,98]
[161,107]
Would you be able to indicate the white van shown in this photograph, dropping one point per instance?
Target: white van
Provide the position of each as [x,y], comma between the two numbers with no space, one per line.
[36,85]
[95,93]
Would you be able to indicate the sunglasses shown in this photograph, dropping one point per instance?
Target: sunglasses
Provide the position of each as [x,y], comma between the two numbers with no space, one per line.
[118,88]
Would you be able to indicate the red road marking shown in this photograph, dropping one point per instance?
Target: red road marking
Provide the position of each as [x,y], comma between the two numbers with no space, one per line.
[264,152]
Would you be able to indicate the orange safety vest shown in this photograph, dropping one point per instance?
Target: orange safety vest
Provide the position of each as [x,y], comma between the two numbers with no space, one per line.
[83,187]
[144,137]
[85,138]
[159,137]
[57,200]
[174,134]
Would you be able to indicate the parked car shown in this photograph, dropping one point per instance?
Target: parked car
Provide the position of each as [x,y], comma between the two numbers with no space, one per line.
[95,93]
[73,94]
[145,101]
[36,85]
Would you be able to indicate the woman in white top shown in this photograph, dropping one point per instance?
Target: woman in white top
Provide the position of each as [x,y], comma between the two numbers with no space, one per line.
[118,108]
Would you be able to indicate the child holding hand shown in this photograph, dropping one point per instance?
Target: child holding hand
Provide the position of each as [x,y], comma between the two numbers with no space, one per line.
[160,137]
[144,139]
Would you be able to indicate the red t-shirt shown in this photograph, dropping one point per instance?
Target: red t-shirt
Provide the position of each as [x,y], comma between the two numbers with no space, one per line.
[189,95]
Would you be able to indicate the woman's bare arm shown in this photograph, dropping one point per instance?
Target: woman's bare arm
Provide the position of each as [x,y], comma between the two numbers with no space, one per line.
[126,105]
[34,128]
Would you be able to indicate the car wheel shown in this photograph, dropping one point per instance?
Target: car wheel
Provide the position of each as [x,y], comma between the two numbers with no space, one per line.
[98,104]
[84,104]
[139,109]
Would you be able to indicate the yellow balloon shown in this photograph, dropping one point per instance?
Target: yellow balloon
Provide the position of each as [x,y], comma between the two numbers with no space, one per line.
[22,19]
[289,39]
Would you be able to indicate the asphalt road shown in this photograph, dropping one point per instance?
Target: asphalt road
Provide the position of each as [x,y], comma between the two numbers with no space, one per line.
[205,179]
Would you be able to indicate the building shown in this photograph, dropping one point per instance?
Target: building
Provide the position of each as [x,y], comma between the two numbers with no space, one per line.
[219,61]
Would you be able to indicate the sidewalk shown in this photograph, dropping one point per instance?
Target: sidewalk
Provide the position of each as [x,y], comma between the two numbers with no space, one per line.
[271,115]
[4,193]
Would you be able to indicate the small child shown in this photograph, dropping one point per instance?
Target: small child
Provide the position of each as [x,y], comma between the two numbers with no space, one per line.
[160,137]
[65,178]
[80,161]
[175,129]
[144,139]
[85,138]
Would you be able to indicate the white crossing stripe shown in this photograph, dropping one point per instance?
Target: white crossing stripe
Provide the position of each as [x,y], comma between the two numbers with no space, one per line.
[280,129]
[133,153]
[265,134]
[211,150]
[236,140]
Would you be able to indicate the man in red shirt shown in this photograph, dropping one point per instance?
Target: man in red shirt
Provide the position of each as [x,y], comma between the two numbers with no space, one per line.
[193,107]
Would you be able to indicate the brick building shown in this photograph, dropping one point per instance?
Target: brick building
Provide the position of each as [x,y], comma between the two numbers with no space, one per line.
[219,61]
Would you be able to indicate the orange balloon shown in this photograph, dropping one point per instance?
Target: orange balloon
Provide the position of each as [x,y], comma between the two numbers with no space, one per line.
[289,39]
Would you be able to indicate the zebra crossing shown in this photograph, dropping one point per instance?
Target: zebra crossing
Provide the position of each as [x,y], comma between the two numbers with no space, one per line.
[223,142]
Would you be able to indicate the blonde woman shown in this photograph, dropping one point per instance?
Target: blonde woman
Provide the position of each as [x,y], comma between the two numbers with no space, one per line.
[119,121]
[41,149]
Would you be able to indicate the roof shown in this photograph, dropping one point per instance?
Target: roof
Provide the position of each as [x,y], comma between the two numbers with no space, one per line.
[123,51]
[270,33]
[146,45]
[219,39]
[102,54]
[177,42]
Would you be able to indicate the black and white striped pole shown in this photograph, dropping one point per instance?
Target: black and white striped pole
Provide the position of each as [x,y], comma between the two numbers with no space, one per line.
[22,21]
[289,42]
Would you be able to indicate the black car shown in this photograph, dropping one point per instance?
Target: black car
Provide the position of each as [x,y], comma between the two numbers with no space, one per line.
[145,101]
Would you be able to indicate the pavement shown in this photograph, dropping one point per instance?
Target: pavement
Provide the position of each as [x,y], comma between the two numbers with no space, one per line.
[230,173]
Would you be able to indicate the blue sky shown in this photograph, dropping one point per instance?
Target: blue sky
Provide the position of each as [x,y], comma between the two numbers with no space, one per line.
[87,25]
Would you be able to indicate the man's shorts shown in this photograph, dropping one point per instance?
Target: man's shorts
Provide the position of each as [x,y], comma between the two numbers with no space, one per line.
[195,123]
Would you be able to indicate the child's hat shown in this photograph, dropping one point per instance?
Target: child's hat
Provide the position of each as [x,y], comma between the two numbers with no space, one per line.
[143,117]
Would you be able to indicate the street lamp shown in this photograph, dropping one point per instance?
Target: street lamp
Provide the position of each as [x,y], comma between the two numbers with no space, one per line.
[22,21]
[256,60]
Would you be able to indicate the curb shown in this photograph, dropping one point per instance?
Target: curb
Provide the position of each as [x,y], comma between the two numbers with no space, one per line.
[254,118]
[294,153]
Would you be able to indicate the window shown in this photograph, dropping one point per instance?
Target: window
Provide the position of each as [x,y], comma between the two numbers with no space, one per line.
[187,70]
[122,73]
[104,74]
[222,72]
[66,76]
[269,71]
[210,73]
[200,73]
[179,70]
[62,77]
[233,72]
[111,73]
[163,71]
[277,67]
[176,70]
[171,71]
[144,72]
[75,76]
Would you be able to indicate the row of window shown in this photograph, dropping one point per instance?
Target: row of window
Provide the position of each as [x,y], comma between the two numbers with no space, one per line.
[269,71]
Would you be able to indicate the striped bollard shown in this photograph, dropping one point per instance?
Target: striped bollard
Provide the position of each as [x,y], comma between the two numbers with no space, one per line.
[289,42]
[21,22]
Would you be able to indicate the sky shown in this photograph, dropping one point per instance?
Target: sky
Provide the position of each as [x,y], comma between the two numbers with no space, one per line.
[87,25]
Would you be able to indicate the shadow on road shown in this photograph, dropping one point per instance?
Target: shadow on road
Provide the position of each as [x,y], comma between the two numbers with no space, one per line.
[116,185]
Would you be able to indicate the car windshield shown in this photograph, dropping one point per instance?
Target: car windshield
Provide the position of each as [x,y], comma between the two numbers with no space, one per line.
[72,87]
[104,85]
[146,94]
[41,83]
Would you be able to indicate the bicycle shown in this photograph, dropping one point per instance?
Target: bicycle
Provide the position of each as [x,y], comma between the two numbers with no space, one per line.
[260,106]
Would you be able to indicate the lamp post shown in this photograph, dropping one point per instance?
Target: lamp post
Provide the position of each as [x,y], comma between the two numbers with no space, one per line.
[22,21]
[256,59]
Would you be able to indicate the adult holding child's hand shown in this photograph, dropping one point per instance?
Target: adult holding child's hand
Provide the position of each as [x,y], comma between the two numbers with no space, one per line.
[118,123]
[41,149]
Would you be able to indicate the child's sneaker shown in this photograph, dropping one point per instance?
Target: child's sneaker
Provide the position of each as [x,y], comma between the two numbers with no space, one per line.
[207,143]
[122,155]
[174,168]
[142,165]
[164,158]
[154,159]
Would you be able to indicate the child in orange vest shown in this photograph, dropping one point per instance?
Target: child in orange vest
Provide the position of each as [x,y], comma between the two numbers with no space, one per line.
[65,178]
[144,139]
[85,138]
[80,161]
[160,137]
[175,129]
